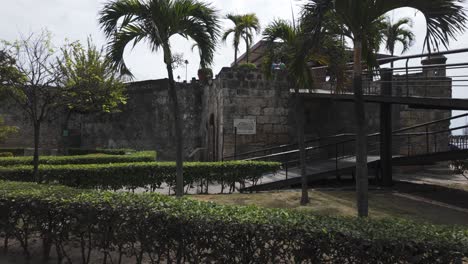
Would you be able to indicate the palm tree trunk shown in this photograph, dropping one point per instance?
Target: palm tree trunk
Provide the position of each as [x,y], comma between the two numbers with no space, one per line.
[247,50]
[37,130]
[391,64]
[299,111]
[177,125]
[235,55]
[361,134]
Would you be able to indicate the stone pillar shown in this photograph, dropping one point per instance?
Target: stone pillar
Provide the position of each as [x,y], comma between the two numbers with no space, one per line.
[435,71]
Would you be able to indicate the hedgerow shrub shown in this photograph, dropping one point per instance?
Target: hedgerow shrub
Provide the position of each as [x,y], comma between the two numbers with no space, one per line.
[6,154]
[160,229]
[79,151]
[15,151]
[81,159]
[147,175]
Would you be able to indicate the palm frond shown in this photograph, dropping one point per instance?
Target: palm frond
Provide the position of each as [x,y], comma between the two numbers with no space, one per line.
[445,19]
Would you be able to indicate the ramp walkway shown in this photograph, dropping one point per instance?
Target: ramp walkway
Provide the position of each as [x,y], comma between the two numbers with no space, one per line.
[334,156]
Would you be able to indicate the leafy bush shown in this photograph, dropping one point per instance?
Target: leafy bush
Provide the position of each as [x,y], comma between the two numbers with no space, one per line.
[145,156]
[15,151]
[247,66]
[6,154]
[163,229]
[147,175]
[78,151]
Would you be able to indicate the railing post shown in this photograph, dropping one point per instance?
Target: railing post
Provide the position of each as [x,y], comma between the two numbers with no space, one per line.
[435,143]
[286,167]
[336,162]
[235,143]
[409,153]
[386,128]
[427,139]
[407,78]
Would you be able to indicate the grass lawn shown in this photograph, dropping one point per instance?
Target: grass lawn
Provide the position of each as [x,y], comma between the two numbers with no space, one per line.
[342,203]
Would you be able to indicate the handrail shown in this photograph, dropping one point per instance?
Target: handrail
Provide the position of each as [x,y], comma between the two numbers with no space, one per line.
[430,123]
[407,57]
[342,135]
[393,59]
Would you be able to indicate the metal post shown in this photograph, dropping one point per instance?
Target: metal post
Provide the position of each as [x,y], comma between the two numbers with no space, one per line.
[235,143]
[427,139]
[407,78]
[408,145]
[435,143]
[286,165]
[222,147]
[336,162]
[386,129]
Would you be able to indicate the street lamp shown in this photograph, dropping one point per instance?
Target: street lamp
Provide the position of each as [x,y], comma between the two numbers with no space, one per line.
[186,75]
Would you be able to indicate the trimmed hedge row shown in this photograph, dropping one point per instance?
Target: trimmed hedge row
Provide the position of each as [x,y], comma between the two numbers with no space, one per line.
[146,156]
[79,151]
[15,151]
[153,228]
[147,175]
[6,154]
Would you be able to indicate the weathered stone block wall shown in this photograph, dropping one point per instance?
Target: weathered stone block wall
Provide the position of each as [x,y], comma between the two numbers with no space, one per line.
[146,121]
[15,116]
[250,95]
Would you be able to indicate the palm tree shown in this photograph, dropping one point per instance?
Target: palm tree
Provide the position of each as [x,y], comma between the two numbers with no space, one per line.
[250,25]
[398,32]
[237,31]
[155,22]
[297,50]
[281,30]
[444,20]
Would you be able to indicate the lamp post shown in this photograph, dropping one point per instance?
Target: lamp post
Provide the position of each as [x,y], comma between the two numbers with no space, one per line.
[186,75]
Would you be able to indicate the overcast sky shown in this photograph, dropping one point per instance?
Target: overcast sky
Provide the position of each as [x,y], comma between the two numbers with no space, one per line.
[77,19]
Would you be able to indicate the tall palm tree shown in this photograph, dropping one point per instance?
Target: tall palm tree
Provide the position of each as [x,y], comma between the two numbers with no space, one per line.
[398,32]
[281,30]
[297,51]
[155,22]
[237,31]
[444,20]
[250,25]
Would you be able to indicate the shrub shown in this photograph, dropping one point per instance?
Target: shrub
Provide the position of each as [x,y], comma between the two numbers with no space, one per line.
[247,66]
[147,175]
[15,151]
[79,151]
[6,154]
[164,229]
[145,156]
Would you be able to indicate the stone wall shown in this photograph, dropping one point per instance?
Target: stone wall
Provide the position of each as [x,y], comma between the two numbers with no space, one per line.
[144,123]
[209,110]
[249,95]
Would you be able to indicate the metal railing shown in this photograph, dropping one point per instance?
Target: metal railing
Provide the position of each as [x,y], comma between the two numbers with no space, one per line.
[427,81]
[417,143]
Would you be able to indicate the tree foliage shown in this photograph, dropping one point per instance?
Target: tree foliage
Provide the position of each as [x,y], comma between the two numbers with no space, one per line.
[398,32]
[91,84]
[444,20]
[39,93]
[156,21]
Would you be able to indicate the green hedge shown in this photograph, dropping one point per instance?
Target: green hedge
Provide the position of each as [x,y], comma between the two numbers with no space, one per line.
[15,151]
[146,156]
[79,151]
[6,155]
[147,175]
[157,228]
